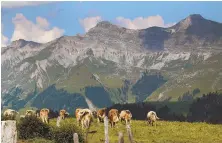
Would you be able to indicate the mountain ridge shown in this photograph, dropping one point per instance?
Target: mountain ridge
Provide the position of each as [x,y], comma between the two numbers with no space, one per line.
[123,60]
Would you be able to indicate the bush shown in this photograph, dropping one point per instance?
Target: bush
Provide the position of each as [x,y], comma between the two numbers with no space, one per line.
[32,127]
[64,133]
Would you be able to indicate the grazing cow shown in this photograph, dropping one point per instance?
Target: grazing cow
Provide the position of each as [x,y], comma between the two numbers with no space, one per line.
[85,118]
[113,117]
[94,113]
[22,116]
[63,114]
[101,113]
[38,113]
[10,113]
[79,115]
[152,117]
[125,115]
[30,113]
[44,115]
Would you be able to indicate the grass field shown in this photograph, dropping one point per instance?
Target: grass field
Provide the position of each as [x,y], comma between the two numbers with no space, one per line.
[164,132]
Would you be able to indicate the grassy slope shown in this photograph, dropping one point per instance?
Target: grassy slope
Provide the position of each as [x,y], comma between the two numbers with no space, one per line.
[211,70]
[165,132]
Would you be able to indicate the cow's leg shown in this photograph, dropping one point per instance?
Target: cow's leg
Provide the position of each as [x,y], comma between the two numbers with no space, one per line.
[78,123]
[82,123]
[46,120]
[126,121]
[42,118]
[88,125]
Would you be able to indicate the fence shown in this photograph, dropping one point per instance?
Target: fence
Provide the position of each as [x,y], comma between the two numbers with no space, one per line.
[8,131]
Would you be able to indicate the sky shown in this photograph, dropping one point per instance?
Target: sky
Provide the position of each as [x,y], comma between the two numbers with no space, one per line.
[45,21]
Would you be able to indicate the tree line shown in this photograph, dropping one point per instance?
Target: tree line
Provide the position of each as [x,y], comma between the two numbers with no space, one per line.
[207,108]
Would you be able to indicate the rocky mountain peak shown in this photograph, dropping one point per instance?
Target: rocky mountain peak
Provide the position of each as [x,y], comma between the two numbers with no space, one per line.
[104,24]
[194,19]
[22,43]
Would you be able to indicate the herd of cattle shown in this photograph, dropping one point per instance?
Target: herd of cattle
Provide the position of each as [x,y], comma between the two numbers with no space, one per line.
[85,116]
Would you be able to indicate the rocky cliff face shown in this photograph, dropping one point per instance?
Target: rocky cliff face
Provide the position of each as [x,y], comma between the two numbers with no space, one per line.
[190,49]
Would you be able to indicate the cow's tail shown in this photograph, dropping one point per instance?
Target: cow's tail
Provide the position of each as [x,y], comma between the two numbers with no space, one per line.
[157,117]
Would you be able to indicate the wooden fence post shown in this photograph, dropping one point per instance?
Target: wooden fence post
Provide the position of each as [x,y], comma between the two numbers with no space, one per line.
[8,131]
[76,138]
[58,121]
[121,139]
[129,133]
[106,126]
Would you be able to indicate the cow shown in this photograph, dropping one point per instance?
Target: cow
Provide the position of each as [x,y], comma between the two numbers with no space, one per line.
[86,117]
[113,117]
[125,115]
[30,113]
[63,113]
[79,115]
[44,115]
[94,113]
[10,113]
[152,117]
[101,113]
[22,116]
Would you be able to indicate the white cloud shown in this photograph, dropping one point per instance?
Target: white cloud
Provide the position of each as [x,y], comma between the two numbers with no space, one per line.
[142,23]
[14,4]
[90,22]
[39,32]
[4,39]
[42,22]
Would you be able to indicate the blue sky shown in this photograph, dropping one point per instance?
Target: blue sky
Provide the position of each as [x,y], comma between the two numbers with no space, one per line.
[70,18]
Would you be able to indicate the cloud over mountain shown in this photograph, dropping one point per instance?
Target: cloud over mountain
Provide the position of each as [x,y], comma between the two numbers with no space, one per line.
[37,32]
[89,22]
[143,22]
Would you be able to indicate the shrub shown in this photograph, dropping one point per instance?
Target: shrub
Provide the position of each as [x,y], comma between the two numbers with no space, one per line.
[64,133]
[31,127]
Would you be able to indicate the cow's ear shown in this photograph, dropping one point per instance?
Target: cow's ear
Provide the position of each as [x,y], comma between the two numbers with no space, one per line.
[47,110]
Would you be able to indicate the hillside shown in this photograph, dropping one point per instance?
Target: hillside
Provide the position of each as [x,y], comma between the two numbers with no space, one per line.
[111,64]
[167,132]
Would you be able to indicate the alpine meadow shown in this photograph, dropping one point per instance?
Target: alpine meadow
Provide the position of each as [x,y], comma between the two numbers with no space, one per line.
[160,84]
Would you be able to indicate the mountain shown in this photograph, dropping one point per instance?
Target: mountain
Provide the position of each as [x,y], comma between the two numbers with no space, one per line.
[111,64]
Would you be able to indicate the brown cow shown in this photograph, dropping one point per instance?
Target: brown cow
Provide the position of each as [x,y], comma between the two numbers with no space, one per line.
[125,115]
[63,113]
[101,115]
[44,115]
[77,115]
[86,117]
[30,113]
[113,117]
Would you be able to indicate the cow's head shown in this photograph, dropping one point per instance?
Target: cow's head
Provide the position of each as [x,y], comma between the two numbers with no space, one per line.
[94,113]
